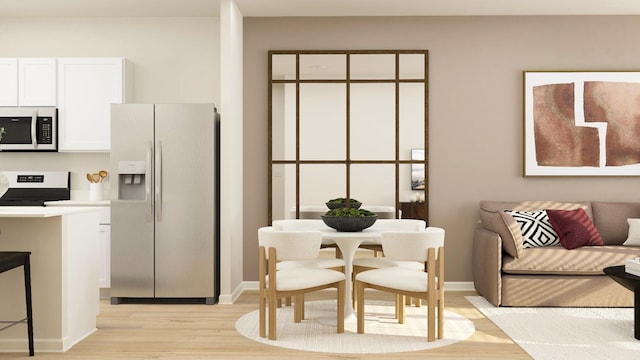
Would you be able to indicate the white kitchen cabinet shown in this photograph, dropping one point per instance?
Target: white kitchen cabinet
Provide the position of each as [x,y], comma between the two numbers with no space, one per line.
[8,82]
[28,82]
[86,89]
[104,246]
[37,82]
[104,278]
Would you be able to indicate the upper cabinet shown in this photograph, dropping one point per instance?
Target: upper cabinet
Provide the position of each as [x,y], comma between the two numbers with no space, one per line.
[28,82]
[37,82]
[86,89]
[8,82]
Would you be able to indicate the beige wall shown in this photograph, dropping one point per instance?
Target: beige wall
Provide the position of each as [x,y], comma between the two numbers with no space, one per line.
[174,60]
[476,65]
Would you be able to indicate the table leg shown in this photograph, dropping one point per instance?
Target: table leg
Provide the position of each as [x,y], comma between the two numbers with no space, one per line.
[348,246]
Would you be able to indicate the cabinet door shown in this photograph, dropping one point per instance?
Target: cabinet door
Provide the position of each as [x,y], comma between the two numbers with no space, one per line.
[8,82]
[104,279]
[87,88]
[37,82]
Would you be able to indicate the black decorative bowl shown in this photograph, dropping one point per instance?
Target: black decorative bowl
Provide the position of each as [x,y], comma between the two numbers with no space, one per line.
[338,205]
[349,223]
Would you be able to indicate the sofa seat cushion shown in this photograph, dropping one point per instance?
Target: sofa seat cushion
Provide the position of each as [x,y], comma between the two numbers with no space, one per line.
[587,260]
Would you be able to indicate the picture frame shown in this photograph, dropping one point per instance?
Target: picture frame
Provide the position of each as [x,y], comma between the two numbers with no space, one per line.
[581,123]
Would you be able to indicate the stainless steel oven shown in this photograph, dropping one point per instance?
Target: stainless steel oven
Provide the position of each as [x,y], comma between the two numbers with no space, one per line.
[33,188]
[29,128]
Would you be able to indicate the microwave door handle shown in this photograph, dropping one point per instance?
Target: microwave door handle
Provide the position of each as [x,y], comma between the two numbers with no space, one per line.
[34,120]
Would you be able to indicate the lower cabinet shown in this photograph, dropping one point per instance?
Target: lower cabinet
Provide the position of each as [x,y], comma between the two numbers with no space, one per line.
[105,256]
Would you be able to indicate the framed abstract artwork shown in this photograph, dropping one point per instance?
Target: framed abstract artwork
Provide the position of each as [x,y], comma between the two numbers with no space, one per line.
[581,123]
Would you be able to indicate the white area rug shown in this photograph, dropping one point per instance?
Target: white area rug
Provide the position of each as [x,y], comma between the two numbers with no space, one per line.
[566,333]
[382,332]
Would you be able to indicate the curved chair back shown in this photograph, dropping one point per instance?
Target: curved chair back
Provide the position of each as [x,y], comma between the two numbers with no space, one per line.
[290,245]
[411,246]
[299,224]
[399,225]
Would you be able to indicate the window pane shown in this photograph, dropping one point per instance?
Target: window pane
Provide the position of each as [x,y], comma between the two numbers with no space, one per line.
[323,67]
[283,67]
[373,124]
[373,66]
[323,121]
[412,66]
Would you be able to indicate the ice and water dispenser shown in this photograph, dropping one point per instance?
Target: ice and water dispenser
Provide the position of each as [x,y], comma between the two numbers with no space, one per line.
[131,180]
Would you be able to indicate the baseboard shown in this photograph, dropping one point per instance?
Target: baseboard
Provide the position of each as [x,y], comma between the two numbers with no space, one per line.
[235,294]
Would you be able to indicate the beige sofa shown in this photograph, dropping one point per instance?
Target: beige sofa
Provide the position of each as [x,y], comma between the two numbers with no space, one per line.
[508,275]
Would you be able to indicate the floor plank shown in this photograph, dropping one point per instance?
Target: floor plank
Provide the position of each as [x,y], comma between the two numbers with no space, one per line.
[190,332]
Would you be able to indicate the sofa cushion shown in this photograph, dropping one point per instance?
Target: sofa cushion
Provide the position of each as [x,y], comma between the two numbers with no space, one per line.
[535,227]
[494,219]
[574,228]
[588,260]
[611,220]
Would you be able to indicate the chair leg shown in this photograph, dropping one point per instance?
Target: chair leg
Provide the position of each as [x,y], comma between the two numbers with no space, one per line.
[298,309]
[341,303]
[431,318]
[263,315]
[27,289]
[360,310]
[441,316]
[272,317]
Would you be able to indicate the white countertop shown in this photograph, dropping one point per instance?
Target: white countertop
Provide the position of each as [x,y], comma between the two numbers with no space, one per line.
[78,203]
[41,211]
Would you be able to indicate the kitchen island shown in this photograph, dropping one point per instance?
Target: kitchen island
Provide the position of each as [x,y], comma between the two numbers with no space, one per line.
[64,275]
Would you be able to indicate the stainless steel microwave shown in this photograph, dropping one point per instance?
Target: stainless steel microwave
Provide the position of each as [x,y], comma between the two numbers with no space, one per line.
[29,128]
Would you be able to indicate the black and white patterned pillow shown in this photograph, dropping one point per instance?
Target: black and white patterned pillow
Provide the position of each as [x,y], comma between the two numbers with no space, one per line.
[536,228]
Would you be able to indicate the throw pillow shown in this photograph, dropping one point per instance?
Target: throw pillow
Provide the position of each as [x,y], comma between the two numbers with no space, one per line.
[634,233]
[535,227]
[574,228]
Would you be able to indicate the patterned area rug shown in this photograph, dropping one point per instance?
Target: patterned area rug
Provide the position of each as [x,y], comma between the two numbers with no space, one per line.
[383,334]
[566,333]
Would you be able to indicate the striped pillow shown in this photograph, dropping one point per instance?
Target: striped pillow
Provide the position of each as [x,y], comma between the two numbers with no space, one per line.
[536,228]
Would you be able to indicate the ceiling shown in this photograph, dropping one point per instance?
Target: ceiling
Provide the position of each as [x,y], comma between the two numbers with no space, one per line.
[268,8]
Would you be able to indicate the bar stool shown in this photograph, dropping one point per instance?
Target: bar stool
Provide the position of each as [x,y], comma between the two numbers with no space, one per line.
[11,260]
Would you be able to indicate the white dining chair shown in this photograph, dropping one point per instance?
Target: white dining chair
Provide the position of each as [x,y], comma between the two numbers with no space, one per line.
[276,246]
[361,264]
[426,247]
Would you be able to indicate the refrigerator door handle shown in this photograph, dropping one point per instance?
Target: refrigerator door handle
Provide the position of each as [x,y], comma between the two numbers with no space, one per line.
[148,181]
[159,181]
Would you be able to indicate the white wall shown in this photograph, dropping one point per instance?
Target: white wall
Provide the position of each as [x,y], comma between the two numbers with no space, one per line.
[174,60]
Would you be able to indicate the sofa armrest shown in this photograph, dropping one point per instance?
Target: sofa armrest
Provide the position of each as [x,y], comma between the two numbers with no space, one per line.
[487,265]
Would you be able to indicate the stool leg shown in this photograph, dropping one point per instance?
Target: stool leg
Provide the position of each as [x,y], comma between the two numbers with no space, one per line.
[27,290]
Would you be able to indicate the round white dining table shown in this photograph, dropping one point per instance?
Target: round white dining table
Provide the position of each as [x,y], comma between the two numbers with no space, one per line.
[348,242]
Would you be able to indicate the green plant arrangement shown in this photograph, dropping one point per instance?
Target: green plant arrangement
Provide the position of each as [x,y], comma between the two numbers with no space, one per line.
[349,219]
[349,212]
[342,202]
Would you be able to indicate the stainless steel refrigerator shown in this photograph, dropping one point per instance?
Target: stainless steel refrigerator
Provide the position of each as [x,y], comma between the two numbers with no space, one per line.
[164,203]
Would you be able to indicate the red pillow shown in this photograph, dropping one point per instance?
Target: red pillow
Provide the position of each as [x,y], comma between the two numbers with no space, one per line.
[574,228]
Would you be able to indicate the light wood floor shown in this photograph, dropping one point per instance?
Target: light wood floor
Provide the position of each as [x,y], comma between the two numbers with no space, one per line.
[192,332]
